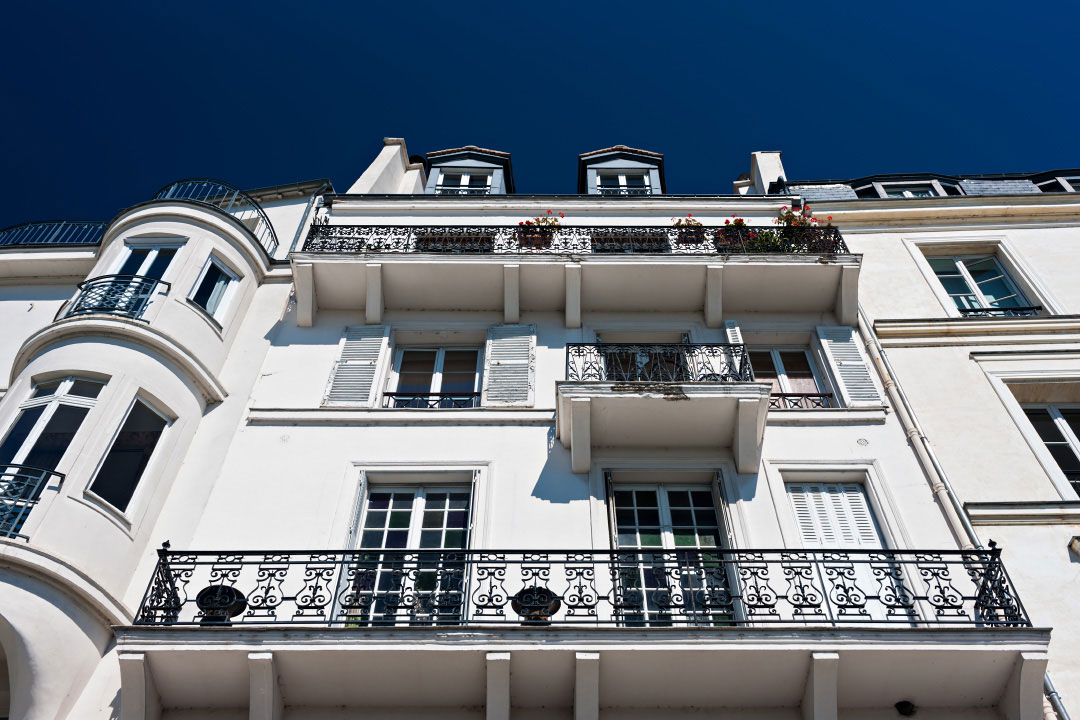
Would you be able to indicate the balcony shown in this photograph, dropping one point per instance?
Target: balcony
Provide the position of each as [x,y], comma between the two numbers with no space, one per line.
[629,588]
[228,199]
[20,488]
[575,269]
[586,632]
[1002,312]
[123,295]
[801,401]
[431,401]
[49,234]
[660,395]
[576,240]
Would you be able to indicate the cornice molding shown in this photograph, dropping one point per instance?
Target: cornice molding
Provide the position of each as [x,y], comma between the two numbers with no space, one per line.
[916,332]
[1050,512]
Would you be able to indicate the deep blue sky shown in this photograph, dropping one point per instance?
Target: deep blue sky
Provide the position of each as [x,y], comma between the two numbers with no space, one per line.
[103,103]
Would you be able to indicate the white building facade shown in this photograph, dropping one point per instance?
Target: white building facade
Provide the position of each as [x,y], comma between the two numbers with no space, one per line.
[433,448]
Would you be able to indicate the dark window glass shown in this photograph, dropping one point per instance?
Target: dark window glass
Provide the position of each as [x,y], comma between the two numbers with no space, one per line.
[161,262]
[212,289]
[764,369]
[134,261]
[123,467]
[19,431]
[85,388]
[417,369]
[609,181]
[46,388]
[55,438]
[459,371]
[635,181]
[450,180]
[478,181]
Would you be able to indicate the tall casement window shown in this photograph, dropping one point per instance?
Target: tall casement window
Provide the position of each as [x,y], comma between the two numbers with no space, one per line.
[794,376]
[48,421]
[129,455]
[148,260]
[212,289]
[409,573]
[979,286]
[436,378]
[623,183]
[674,583]
[1058,427]
[37,441]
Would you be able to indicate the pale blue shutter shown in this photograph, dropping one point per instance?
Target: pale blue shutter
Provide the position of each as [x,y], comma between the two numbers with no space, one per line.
[850,368]
[362,351]
[509,366]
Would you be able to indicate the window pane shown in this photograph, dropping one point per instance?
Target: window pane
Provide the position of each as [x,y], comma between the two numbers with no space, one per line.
[46,388]
[609,181]
[417,368]
[799,373]
[55,438]
[1044,425]
[211,289]
[127,458]
[635,181]
[764,369]
[459,371]
[160,263]
[134,261]
[86,388]
[450,179]
[19,431]
[478,180]
[1072,417]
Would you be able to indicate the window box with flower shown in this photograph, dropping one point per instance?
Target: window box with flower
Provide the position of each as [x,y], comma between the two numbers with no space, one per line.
[689,230]
[539,232]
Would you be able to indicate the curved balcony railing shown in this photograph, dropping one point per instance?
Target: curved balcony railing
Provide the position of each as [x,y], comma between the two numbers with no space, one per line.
[634,587]
[230,200]
[20,488]
[657,363]
[517,239]
[59,232]
[124,295]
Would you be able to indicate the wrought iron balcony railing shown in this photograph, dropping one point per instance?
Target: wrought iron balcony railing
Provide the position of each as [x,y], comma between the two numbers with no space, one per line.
[518,239]
[230,200]
[658,363]
[124,295]
[455,190]
[431,400]
[622,190]
[62,232]
[638,587]
[801,401]
[999,312]
[20,488]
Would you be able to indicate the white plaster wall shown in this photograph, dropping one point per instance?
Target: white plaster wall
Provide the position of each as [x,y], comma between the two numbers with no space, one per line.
[285,216]
[25,309]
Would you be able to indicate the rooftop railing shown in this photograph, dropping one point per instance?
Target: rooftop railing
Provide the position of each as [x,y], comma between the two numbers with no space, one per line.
[657,363]
[124,295]
[230,200]
[518,239]
[632,587]
[20,488]
[60,232]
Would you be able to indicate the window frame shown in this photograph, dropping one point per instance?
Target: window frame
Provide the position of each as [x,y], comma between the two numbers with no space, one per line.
[973,287]
[935,186]
[1063,427]
[464,187]
[623,188]
[664,508]
[781,372]
[52,403]
[153,246]
[1068,183]
[134,503]
[419,505]
[226,302]
[437,372]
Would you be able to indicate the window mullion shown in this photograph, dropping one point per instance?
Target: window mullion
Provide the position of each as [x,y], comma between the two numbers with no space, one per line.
[436,373]
[667,535]
[35,431]
[417,519]
[781,373]
[1065,429]
[972,287]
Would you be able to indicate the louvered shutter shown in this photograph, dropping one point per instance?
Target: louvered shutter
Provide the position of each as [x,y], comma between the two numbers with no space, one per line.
[509,361]
[850,369]
[734,334]
[834,515]
[362,351]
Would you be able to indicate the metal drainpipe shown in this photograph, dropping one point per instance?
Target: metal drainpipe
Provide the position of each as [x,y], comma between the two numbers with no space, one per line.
[954,510]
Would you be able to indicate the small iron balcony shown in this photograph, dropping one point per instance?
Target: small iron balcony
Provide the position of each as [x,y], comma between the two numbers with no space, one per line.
[1000,312]
[42,234]
[430,401]
[801,401]
[633,587]
[228,199]
[657,363]
[124,295]
[453,190]
[20,488]
[574,240]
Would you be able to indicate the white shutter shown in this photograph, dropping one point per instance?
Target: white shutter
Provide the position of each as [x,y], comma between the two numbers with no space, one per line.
[734,334]
[362,350]
[509,362]
[850,369]
[834,515]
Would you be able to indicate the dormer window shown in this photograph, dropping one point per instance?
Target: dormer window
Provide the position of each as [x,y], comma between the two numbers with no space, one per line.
[909,191]
[623,184]
[906,189]
[463,183]
[1062,183]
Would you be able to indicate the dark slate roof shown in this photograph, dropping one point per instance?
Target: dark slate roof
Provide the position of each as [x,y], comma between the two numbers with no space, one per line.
[998,187]
[823,192]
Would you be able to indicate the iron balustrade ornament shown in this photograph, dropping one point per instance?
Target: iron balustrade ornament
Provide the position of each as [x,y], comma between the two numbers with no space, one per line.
[228,199]
[62,232]
[20,488]
[573,240]
[124,295]
[999,312]
[431,400]
[800,401]
[657,363]
[633,587]
[455,190]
